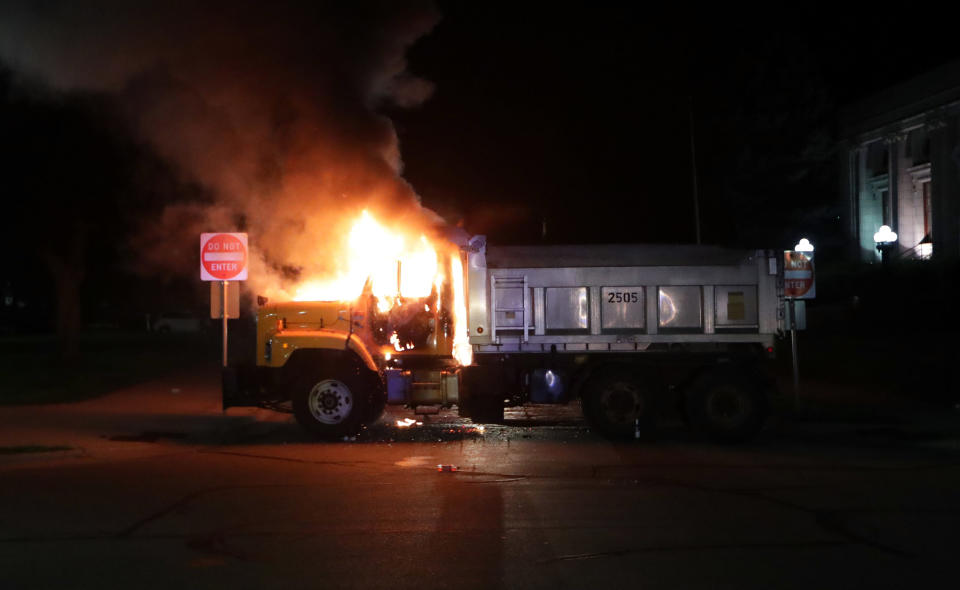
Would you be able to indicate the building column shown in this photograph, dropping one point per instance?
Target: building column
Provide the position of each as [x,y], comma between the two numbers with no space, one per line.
[907,228]
[945,184]
[867,250]
[895,143]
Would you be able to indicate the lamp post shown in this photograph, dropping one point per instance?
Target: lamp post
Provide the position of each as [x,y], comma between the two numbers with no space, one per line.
[804,246]
[885,238]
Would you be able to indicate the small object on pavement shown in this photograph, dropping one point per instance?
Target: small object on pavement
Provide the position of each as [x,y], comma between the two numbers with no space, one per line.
[446,467]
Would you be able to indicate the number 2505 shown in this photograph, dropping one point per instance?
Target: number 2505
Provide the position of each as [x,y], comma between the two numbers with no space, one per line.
[623,297]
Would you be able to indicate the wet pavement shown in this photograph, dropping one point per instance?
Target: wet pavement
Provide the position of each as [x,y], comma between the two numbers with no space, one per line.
[158,488]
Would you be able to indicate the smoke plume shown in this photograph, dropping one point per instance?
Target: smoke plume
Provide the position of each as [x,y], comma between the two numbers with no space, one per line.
[271,107]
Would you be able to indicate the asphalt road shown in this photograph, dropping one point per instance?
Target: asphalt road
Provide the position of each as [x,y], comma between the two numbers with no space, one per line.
[159,489]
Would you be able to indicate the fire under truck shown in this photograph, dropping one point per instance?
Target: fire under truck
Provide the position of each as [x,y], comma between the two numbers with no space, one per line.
[631,332]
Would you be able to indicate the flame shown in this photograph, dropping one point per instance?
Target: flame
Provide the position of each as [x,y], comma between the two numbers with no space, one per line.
[395,341]
[462,350]
[397,264]
[373,253]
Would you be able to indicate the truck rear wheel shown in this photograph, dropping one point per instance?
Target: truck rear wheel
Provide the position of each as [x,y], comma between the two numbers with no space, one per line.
[619,404]
[330,405]
[726,407]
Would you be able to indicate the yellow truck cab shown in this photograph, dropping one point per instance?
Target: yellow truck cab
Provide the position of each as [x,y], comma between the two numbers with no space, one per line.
[326,361]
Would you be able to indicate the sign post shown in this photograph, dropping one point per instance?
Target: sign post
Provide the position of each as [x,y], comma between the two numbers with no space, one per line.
[226,285]
[799,282]
[223,257]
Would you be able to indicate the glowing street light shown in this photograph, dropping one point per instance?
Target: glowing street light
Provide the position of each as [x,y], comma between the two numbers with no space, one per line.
[885,235]
[885,238]
[803,245]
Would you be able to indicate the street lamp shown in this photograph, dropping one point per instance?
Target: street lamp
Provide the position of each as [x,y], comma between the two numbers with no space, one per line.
[803,245]
[885,238]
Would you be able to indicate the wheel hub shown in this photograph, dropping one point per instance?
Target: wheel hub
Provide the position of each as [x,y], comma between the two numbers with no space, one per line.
[622,403]
[728,407]
[330,401]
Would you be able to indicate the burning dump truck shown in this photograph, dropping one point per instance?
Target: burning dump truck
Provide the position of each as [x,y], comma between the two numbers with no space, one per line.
[631,331]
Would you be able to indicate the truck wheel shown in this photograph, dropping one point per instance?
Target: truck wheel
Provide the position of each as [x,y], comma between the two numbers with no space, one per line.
[329,405]
[727,408]
[619,404]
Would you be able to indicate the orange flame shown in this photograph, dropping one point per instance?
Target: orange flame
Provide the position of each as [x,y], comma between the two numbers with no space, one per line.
[397,264]
[461,345]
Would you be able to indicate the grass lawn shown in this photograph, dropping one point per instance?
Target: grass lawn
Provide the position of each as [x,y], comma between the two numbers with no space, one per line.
[31,371]
[920,367]
[24,449]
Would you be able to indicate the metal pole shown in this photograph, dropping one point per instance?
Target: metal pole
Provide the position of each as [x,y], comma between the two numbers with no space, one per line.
[793,346]
[223,312]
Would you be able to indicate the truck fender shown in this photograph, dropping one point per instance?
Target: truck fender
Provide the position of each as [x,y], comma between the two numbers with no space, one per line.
[320,340]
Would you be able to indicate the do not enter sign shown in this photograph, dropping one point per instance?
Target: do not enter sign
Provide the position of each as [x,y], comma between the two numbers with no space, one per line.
[798,278]
[223,257]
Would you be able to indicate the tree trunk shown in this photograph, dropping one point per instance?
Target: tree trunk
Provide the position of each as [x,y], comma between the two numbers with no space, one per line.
[67,267]
[68,313]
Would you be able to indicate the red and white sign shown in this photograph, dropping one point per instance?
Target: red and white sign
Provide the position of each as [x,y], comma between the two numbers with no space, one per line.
[223,257]
[799,281]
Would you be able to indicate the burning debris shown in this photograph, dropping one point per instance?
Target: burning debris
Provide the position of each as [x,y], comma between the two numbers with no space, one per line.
[408,422]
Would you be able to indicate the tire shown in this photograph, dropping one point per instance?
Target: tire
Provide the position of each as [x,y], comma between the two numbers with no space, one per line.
[620,404]
[330,404]
[726,407]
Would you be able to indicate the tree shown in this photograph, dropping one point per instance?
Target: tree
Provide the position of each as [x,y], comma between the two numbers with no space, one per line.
[766,137]
[62,160]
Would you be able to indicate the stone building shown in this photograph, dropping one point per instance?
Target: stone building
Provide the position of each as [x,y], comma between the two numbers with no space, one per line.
[901,166]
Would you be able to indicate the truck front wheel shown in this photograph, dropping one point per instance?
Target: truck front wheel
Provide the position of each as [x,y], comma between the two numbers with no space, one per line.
[329,405]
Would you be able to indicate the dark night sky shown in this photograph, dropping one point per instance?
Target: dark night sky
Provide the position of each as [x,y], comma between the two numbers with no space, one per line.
[581,117]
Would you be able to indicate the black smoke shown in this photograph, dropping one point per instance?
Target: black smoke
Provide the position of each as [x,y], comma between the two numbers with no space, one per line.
[273,109]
